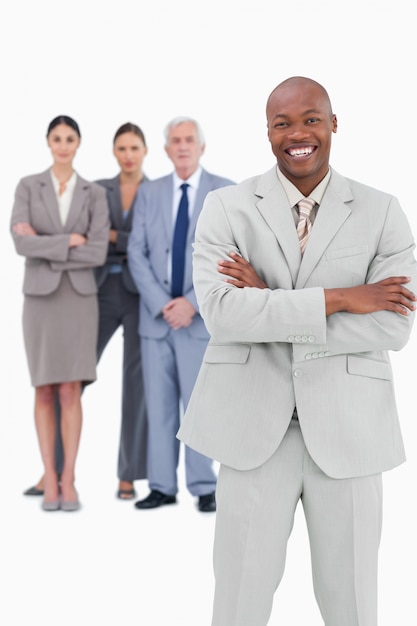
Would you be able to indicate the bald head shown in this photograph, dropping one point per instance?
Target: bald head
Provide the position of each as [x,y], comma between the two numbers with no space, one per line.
[293,85]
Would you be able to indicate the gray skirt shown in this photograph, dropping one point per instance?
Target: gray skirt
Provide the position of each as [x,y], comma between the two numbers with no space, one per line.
[60,334]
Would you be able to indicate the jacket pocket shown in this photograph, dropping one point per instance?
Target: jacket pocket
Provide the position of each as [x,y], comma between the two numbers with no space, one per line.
[364,366]
[227,353]
[340,253]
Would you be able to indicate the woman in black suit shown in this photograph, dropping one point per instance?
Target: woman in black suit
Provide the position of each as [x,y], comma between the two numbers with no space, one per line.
[119,304]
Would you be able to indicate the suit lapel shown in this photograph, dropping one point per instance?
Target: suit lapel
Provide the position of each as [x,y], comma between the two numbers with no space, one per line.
[49,200]
[115,203]
[77,204]
[127,220]
[332,214]
[164,207]
[274,207]
[202,191]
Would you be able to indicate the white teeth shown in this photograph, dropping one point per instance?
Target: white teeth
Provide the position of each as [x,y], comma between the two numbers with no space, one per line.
[301,151]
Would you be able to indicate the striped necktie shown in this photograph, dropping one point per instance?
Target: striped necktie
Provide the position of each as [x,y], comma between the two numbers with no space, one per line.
[304,223]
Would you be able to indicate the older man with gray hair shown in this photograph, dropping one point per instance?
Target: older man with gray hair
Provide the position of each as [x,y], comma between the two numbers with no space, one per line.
[173,335]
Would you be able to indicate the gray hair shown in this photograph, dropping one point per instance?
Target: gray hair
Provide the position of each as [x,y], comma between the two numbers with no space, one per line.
[181,120]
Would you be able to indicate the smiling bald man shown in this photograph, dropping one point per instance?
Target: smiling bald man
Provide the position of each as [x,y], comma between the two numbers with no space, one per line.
[304,280]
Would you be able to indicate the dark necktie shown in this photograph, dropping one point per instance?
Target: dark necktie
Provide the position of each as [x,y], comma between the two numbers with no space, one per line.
[178,244]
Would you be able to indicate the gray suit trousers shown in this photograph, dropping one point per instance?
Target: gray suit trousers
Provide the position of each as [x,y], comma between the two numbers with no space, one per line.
[171,365]
[255,514]
[119,307]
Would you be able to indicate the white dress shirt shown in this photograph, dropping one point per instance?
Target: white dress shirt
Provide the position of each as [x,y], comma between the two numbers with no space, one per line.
[65,198]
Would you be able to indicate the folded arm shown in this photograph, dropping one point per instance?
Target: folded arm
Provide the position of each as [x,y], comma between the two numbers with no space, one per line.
[238,305]
[27,241]
[389,294]
[63,250]
[89,249]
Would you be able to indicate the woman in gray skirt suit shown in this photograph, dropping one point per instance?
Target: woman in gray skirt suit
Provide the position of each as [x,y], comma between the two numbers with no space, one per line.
[119,307]
[60,223]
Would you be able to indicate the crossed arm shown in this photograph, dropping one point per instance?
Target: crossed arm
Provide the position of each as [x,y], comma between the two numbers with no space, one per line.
[389,294]
[26,230]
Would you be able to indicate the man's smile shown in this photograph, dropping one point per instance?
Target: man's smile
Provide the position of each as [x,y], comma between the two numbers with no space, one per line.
[301,151]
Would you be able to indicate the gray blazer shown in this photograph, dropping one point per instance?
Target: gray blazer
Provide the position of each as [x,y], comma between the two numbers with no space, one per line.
[273,349]
[117,252]
[150,245]
[47,253]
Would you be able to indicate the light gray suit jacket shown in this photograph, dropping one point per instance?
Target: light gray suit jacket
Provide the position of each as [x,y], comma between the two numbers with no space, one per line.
[273,349]
[149,248]
[47,253]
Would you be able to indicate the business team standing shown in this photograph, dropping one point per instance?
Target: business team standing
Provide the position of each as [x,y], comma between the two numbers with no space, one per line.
[173,334]
[60,224]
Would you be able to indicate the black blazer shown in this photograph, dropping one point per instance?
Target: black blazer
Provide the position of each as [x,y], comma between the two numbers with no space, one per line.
[117,252]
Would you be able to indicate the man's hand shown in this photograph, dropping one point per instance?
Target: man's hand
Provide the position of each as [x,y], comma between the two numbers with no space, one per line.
[386,295]
[240,272]
[178,313]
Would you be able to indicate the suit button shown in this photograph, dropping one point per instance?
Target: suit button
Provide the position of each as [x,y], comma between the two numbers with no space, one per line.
[297,338]
[298,373]
[290,338]
[304,338]
[311,338]
[308,357]
[321,354]
[314,355]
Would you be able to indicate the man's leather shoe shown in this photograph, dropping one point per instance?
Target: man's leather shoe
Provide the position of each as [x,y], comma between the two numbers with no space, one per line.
[207,503]
[154,499]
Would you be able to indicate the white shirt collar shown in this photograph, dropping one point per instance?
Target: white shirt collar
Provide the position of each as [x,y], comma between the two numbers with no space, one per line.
[70,182]
[295,195]
[193,180]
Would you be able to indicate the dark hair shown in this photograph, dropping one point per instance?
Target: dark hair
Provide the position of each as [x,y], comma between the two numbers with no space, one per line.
[64,119]
[129,128]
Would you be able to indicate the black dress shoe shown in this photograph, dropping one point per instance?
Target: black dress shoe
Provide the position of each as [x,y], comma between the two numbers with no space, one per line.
[154,499]
[207,503]
[33,491]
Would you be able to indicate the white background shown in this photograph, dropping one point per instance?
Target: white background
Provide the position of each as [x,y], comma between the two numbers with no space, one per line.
[105,63]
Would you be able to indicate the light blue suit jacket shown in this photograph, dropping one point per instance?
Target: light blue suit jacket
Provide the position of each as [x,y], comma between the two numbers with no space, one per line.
[149,247]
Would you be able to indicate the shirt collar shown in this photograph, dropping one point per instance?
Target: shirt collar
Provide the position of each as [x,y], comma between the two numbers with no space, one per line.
[294,195]
[70,182]
[193,180]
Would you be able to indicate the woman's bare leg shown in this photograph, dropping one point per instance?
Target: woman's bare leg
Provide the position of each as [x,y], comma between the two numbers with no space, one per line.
[71,421]
[46,428]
